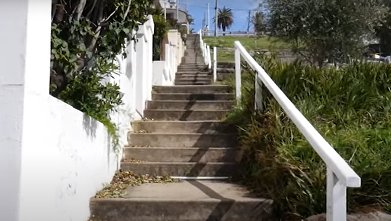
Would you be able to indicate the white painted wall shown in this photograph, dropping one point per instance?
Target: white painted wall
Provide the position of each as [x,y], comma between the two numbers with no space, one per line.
[53,157]
[144,65]
[175,39]
[67,157]
[160,76]
[164,71]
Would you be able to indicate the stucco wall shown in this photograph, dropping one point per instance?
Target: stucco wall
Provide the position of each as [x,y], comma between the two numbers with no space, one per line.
[67,157]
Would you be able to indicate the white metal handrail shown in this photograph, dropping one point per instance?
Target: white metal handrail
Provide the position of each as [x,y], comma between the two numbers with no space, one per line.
[206,54]
[339,174]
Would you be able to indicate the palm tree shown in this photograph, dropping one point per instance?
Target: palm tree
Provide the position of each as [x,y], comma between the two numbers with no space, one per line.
[224,18]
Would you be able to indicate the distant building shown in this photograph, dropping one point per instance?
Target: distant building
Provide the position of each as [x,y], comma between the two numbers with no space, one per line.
[170,8]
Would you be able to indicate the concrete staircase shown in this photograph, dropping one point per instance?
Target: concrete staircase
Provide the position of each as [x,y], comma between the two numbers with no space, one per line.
[183,136]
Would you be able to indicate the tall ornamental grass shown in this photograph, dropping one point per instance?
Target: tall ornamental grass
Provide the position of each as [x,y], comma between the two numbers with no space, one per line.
[349,106]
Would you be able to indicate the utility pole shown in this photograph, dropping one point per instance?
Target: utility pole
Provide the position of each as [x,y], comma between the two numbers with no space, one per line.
[165,11]
[216,18]
[203,24]
[207,22]
[249,20]
[177,10]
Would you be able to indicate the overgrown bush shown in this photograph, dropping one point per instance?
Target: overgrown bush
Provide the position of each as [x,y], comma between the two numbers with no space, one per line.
[86,38]
[351,108]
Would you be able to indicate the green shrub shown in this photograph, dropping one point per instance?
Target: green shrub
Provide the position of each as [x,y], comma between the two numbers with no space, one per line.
[350,107]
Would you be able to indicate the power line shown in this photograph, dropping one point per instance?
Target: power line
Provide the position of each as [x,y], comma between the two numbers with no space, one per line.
[233,9]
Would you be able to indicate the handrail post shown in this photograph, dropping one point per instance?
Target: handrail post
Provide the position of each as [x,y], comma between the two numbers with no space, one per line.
[214,64]
[209,58]
[237,75]
[336,198]
[258,93]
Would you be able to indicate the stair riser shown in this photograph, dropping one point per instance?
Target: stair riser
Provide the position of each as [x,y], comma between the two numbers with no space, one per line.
[182,127]
[195,68]
[186,169]
[201,155]
[194,79]
[194,73]
[191,83]
[181,140]
[189,105]
[144,210]
[211,89]
[162,96]
[185,115]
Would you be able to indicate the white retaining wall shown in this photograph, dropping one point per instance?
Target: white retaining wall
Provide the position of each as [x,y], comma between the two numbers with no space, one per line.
[164,71]
[53,158]
[67,157]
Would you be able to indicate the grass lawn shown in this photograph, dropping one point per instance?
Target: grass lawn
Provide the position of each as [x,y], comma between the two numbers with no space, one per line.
[225,45]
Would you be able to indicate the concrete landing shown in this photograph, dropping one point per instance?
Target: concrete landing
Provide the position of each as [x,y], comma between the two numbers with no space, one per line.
[191,190]
[186,200]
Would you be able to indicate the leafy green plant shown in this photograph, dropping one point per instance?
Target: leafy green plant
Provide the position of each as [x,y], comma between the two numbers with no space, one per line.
[161,28]
[86,38]
[349,106]
[326,31]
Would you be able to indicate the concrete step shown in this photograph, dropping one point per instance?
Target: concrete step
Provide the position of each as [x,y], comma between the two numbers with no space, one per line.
[192,83]
[193,89]
[185,115]
[190,105]
[194,65]
[189,169]
[200,74]
[192,68]
[192,96]
[181,140]
[182,154]
[196,72]
[195,78]
[184,201]
[205,127]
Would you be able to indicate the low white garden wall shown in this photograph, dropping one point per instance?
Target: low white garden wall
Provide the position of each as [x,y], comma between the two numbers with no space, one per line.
[67,157]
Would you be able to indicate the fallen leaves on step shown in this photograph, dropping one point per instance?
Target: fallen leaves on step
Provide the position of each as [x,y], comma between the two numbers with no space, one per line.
[123,179]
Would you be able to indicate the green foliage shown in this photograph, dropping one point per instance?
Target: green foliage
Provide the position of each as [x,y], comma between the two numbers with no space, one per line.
[350,106]
[161,28]
[225,45]
[259,23]
[86,37]
[383,32]
[224,18]
[322,31]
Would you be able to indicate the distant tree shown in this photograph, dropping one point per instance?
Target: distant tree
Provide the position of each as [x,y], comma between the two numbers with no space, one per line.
[322,31]
[224,19]
[383,32]
[258,21]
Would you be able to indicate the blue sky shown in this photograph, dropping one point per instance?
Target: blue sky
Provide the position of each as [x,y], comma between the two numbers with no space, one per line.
[240,8]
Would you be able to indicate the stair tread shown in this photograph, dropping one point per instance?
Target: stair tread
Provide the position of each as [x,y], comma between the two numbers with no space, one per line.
[188,191]
[198,101]
[184,148]
[181,93]
[190,134]
[178,121]
[182,110]
[177,163]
